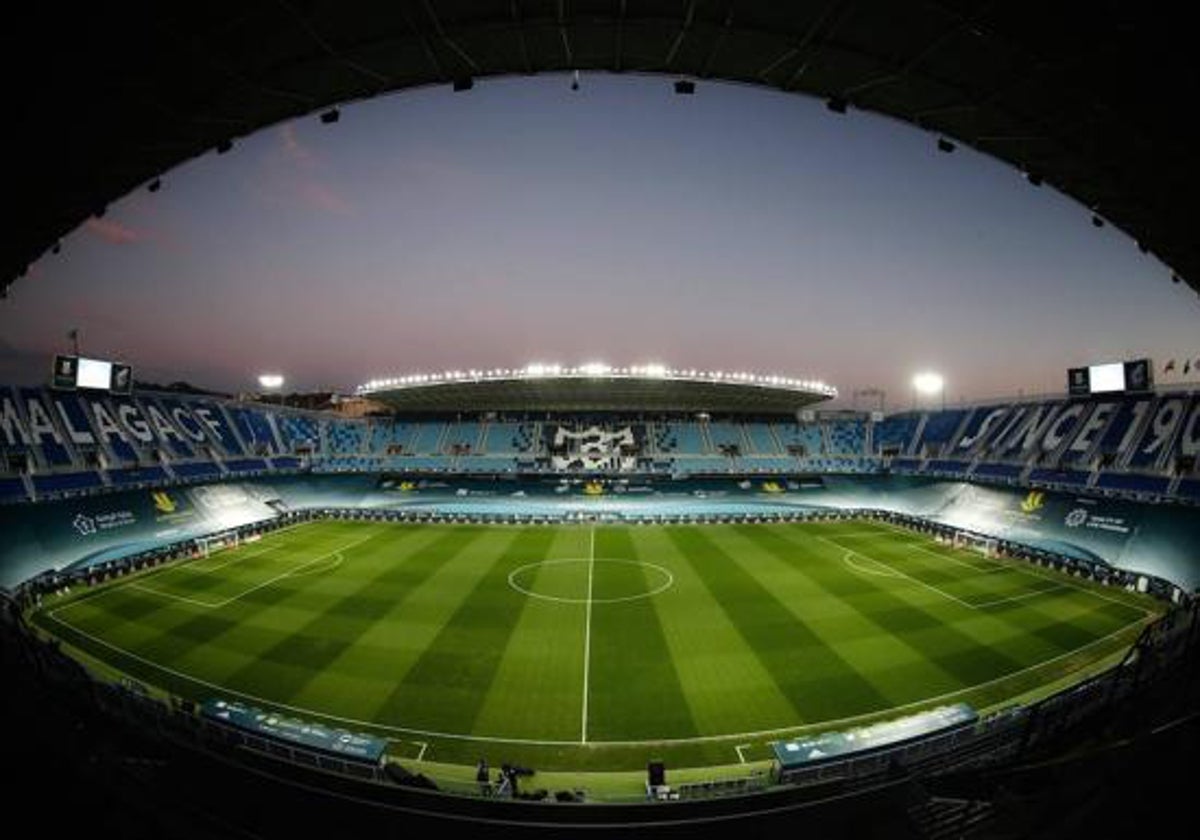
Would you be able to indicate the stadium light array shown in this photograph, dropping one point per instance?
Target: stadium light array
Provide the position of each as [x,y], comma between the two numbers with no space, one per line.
[929,383]
[537,370]
[270,381]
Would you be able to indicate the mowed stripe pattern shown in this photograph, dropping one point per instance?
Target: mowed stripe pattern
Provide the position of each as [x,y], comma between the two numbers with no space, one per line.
[430,631]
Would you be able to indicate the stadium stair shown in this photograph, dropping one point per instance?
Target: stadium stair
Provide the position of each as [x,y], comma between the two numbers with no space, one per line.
[918,433]
[943,818]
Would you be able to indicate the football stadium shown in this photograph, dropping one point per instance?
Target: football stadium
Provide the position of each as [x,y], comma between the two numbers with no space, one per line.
[582,573]
[588,597]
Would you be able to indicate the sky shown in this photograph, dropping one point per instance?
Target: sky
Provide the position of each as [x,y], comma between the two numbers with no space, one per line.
[521,221]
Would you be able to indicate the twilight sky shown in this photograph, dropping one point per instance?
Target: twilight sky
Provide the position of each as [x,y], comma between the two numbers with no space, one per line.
[518,222]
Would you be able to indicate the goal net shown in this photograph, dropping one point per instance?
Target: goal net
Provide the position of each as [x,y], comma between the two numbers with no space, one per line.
[986,546]
[209,545]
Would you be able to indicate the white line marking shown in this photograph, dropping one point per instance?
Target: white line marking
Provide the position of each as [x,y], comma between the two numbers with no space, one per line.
[917,581]
[1058,587]
[738,749]
[668,580]
[1026,568]
[162,570]
[163,594]
[814,726]
[337,561]
[848,559]
[587,632]
[193,566]
[938,555]
[289,573]
[424,746]
[1084,589]
[135,582]
[859,534]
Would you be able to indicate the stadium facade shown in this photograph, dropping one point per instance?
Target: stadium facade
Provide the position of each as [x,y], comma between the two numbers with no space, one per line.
[1110,479]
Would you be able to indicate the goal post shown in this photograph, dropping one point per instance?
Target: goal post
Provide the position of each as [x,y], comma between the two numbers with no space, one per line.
[967,541]
[208,545]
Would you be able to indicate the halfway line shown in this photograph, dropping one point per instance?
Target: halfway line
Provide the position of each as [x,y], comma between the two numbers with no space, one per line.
[587,632]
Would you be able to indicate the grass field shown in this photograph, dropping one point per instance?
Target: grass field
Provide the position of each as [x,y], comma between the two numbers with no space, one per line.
[581,647]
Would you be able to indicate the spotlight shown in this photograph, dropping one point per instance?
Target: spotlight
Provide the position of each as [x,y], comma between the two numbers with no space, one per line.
[837,104]
[155,185]
[685,86]
[224,146]
[1097,221]
[945,145]
[331,116]
[463,83]
[1034,178]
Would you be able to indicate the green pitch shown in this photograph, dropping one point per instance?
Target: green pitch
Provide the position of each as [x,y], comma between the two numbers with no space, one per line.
[577,647]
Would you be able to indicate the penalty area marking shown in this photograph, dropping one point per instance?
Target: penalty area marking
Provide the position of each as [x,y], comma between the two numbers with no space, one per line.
[135,583]
[337,561]
[1056,586]
[738,749]
[848,559]
[908,577]
[668,580]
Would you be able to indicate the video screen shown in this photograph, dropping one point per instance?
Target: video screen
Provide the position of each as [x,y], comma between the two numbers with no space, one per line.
[94,373]
[1105,379]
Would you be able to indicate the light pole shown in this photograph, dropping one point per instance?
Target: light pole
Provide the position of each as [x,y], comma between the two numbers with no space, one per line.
[928,384]
[272,382]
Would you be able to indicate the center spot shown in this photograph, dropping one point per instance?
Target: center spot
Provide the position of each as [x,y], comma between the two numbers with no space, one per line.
[612,580]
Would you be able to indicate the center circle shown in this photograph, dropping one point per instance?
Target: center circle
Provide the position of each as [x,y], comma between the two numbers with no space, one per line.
[611,580]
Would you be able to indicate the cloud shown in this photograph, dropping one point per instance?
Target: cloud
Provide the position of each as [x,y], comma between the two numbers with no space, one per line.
[113,231]
[296,151]
[319,196]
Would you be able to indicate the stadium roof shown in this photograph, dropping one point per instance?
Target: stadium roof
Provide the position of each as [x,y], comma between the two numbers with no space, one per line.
[1093,100]
[552,388]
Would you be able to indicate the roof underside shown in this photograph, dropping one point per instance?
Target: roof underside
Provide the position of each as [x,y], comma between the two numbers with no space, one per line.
[601,394]
[103,98]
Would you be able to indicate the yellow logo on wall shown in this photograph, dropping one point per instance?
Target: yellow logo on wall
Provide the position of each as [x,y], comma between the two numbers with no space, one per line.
[163,502]
[1033,502]
[406,486]
[772,487]
[593,488]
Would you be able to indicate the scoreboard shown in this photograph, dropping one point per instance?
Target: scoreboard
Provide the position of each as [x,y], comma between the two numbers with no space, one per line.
[1132,377]
[76,372]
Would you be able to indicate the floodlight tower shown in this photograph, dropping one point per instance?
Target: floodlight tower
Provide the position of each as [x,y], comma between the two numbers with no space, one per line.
[929,384]
[272,382]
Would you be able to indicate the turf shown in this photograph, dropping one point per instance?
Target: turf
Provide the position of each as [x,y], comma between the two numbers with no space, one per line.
[597,647]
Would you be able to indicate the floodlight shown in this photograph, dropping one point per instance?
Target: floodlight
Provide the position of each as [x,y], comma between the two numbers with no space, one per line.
[928,383]
[272,380]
